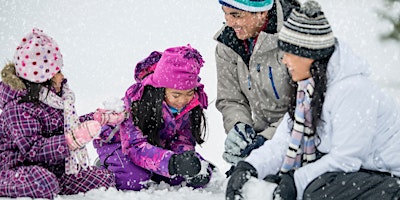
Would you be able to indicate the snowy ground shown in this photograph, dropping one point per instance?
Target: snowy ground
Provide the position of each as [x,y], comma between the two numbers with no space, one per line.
[103,40]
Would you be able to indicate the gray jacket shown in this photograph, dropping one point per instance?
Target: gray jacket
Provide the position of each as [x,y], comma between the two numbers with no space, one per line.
[254,88]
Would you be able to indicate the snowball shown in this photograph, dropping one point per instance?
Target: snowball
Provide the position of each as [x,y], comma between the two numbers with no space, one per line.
[255,189]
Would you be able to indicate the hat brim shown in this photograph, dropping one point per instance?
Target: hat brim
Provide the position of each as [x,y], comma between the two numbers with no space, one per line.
[315,54]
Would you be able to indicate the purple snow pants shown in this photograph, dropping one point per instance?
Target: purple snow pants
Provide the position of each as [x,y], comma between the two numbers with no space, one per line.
[129,176]
[38,182]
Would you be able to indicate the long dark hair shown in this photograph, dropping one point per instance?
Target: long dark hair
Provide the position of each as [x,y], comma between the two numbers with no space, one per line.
[147,115]
[318,72]
[33,90]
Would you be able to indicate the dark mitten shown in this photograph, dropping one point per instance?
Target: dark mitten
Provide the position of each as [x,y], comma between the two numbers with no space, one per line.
[203,177]
[199,180]
[230,171]
[257,142]
[184,164]
[241,174]
[272,178]
[286,187]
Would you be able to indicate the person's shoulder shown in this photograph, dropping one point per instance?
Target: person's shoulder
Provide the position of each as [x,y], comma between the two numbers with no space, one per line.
[134,92]
[224,33]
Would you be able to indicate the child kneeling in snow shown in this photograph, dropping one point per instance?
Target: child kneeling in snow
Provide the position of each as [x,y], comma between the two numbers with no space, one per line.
[42,140]
[157,142]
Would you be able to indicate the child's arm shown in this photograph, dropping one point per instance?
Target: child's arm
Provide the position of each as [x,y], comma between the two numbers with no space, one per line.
[143,154]
[25,133]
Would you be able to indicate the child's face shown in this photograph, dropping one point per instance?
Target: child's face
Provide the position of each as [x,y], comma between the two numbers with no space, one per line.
[178,98]
[57,81]
[299,67]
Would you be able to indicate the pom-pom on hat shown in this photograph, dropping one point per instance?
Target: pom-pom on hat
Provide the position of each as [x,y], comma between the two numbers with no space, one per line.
[307,33]
[178,68]
[38,57]
[248,5]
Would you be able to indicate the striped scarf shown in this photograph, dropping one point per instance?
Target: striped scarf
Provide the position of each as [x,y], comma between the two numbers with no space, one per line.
[78,159]
[301,147]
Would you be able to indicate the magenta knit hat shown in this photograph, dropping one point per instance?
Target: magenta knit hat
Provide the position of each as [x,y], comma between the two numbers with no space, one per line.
[37,58]
[178,68]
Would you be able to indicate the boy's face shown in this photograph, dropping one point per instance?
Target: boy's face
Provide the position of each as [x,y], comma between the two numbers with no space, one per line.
[245,24]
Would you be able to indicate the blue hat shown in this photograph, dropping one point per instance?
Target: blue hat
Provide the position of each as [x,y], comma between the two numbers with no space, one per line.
[248,5]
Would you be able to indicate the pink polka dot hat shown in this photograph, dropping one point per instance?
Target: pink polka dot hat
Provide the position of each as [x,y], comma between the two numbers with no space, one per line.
[38,57]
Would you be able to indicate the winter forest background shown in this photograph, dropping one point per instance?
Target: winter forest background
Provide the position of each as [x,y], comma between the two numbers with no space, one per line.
[102,41]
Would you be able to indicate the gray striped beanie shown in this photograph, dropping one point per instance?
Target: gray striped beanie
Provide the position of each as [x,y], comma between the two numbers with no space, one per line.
[307,33]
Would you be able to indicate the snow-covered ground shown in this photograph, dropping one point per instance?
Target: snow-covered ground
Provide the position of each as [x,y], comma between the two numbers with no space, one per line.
[103,40]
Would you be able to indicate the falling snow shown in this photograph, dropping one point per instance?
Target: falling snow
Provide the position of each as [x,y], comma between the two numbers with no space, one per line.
[101,42]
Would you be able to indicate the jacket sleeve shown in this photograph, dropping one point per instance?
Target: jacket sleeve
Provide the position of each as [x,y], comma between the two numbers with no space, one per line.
[141,152]
[268,158]
[231,102]
[271,129]
[350,125]
[86,117]
[25,131]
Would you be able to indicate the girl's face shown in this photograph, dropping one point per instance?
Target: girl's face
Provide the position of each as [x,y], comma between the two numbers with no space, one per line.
[298,67]
[178,98]
[57,81]
[245,24]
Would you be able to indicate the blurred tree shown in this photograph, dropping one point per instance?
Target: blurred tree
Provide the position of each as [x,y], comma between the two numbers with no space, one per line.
[393,17]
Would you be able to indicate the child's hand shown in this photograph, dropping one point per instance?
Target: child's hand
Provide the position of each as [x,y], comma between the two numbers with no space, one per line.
[202,178]
[109,117]
[83,134]
[184,164]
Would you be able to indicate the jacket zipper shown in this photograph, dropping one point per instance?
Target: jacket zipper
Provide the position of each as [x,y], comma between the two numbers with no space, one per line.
[271,78]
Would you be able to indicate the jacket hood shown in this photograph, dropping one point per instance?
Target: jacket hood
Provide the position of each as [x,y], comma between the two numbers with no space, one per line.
[9,77]
[7,94]
[11,86]
[344,63]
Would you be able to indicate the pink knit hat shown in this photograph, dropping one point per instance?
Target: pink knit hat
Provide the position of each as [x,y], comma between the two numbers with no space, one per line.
[178,68]
[38,57]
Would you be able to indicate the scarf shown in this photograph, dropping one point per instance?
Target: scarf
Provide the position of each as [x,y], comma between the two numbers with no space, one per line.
[78,159]
[301,147]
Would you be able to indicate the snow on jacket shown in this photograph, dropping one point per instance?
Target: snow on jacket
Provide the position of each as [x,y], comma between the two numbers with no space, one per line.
[175,136]
[360,129]
[253,89]
[30,134]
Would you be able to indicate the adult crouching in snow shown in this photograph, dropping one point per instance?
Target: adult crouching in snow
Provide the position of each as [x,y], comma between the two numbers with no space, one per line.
[253,86]
[339,139]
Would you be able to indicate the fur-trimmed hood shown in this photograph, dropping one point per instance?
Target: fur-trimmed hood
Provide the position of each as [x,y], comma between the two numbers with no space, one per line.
[9,77]
[11,86]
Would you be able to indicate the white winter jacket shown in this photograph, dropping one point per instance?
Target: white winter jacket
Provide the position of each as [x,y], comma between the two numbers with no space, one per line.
[360,130]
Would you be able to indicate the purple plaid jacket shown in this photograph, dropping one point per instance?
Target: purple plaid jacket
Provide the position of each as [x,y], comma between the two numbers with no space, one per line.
[30,134]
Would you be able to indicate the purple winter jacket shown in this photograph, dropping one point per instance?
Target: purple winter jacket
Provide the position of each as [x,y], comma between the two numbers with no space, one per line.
[175,135]
[31,134]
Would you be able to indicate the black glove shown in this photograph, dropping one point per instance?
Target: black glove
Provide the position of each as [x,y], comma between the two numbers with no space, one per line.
[230,171]
[185,164]
[199,180]
[286,189]
[203,177]
[241,174]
